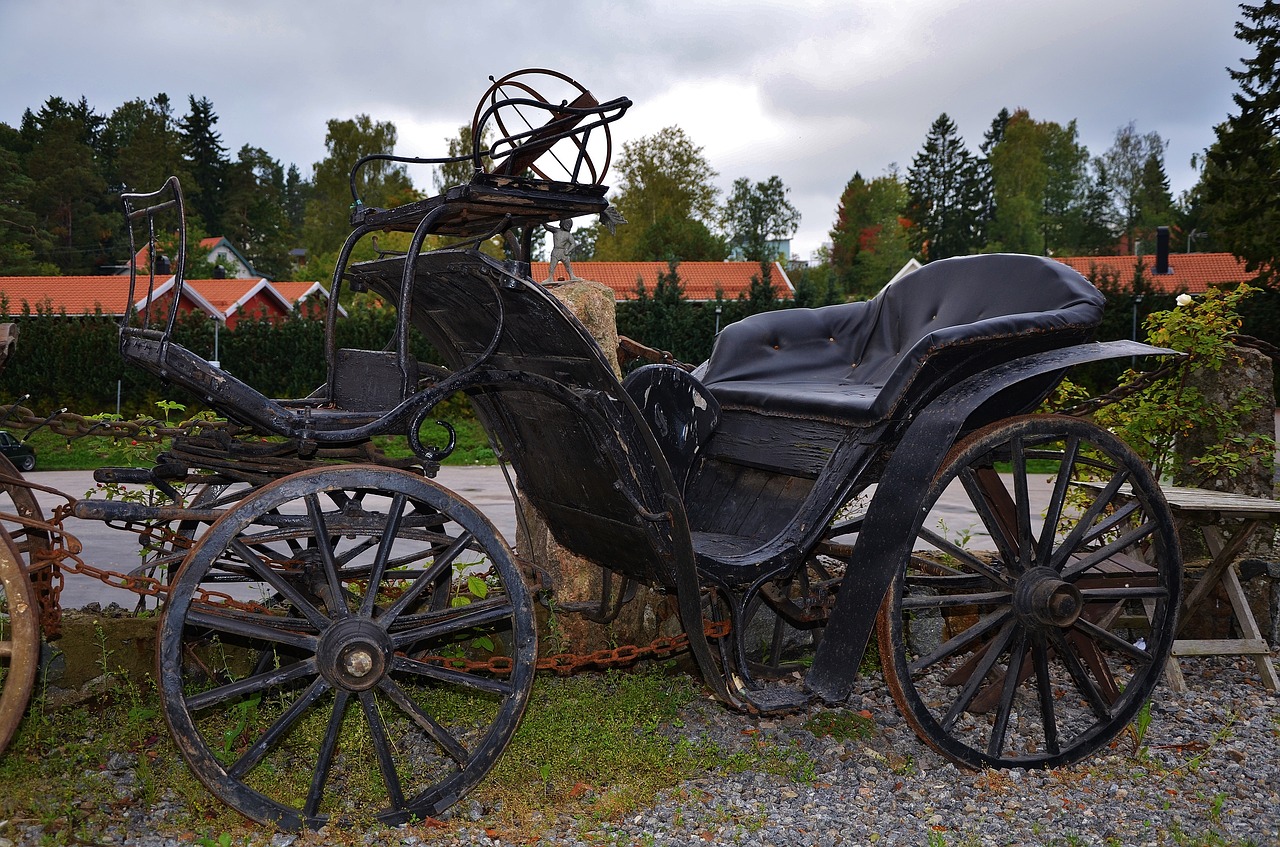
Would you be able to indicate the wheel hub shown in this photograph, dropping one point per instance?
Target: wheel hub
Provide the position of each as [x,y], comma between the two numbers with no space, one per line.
[354,654]
[1042,598]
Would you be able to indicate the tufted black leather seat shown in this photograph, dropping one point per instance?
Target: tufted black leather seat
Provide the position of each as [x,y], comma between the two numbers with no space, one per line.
[855,362]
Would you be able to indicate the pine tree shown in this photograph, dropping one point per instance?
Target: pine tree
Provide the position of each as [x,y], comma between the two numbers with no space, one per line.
[1241,182]
[945,187]
[206,162]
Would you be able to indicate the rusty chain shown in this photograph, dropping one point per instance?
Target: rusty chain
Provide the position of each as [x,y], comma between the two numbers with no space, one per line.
[141,430]
[49,565]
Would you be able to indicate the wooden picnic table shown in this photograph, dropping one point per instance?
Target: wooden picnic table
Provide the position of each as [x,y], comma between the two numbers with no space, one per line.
[1206,510]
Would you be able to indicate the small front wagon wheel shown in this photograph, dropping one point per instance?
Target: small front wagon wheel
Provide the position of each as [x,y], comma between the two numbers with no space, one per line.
[346,643]
[1037,610]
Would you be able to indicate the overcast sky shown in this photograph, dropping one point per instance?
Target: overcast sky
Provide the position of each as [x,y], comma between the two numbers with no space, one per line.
[809,91]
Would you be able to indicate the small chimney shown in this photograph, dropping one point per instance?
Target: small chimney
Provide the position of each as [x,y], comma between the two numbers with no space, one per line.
[162,265]
[1162,250]
[219,272]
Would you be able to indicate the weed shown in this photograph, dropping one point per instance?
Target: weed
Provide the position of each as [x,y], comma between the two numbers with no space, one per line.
[1138,729]
[842,725]
[1215,807]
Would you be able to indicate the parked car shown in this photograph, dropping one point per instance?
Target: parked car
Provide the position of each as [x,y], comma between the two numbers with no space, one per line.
[22,456]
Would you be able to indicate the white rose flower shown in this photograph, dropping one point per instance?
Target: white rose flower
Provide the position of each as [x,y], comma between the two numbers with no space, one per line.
[1184,300]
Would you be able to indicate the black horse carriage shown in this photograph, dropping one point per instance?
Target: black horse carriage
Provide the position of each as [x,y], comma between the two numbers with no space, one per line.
[345,636]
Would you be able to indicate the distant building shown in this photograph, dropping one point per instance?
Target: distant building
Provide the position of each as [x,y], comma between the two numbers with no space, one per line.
[222,252]
[1191,273]
[309,298]
[225,300]
[699,280]
[218,250]
[88,295]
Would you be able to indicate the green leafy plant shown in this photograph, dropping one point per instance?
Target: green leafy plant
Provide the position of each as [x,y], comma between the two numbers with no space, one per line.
[1156,416]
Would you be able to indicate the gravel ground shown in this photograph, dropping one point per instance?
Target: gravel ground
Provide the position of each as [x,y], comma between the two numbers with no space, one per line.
[1207,773]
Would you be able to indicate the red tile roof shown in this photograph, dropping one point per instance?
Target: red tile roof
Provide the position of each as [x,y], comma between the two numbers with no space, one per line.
[229,295]
[1192,273]
[78,295]
[700,280]
[295,291]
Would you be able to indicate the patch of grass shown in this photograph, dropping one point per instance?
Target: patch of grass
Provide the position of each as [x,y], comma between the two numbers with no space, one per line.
[55,453]
[842,725]
[54,771]
[593,746]
[602,744]
[1036,467]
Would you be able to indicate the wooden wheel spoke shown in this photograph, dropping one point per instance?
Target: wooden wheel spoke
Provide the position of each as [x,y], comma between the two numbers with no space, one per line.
[286,588]
[944,601]
[328,746]
[1086,522]
[438,625]
[1125,592]
[1103,553]
[1079,675]
[443,560]
[390,531]
[993,650]
[244,626]
[965,557]
[1022,503]
[1012,676]
[1044,688]
[1057,500]
[251,684]
[324,543]
[425,722]
[987,494]
[277,730]
[1112,640]
[442,673]
[959,642]
[382,749]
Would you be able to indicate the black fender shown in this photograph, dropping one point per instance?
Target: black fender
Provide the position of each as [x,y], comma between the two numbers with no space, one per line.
[888,531]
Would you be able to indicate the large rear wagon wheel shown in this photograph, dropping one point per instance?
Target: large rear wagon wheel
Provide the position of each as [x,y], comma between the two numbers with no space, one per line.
[374,657]
[1036,613]
[19,639]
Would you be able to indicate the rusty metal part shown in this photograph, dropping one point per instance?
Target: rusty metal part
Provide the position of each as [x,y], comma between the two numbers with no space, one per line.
[24,520]
[19,639]
[630,350]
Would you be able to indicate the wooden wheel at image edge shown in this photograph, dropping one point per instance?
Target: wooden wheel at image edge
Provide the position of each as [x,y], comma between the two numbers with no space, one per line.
[1025,637]
[374,663]
[19,639]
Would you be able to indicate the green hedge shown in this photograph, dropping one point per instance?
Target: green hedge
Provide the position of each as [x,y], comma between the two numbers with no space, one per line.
[74,361]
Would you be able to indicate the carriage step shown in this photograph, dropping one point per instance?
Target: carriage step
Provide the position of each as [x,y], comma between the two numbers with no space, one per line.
[776,698]
[158,476]
[127,512]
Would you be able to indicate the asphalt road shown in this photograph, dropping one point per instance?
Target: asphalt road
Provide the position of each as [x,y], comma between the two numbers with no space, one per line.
[483,486]
[114,549]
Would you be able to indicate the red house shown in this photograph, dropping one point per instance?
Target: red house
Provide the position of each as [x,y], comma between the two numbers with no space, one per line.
[700,280]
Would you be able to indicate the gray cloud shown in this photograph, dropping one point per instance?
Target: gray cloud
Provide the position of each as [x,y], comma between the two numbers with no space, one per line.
[811,92]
